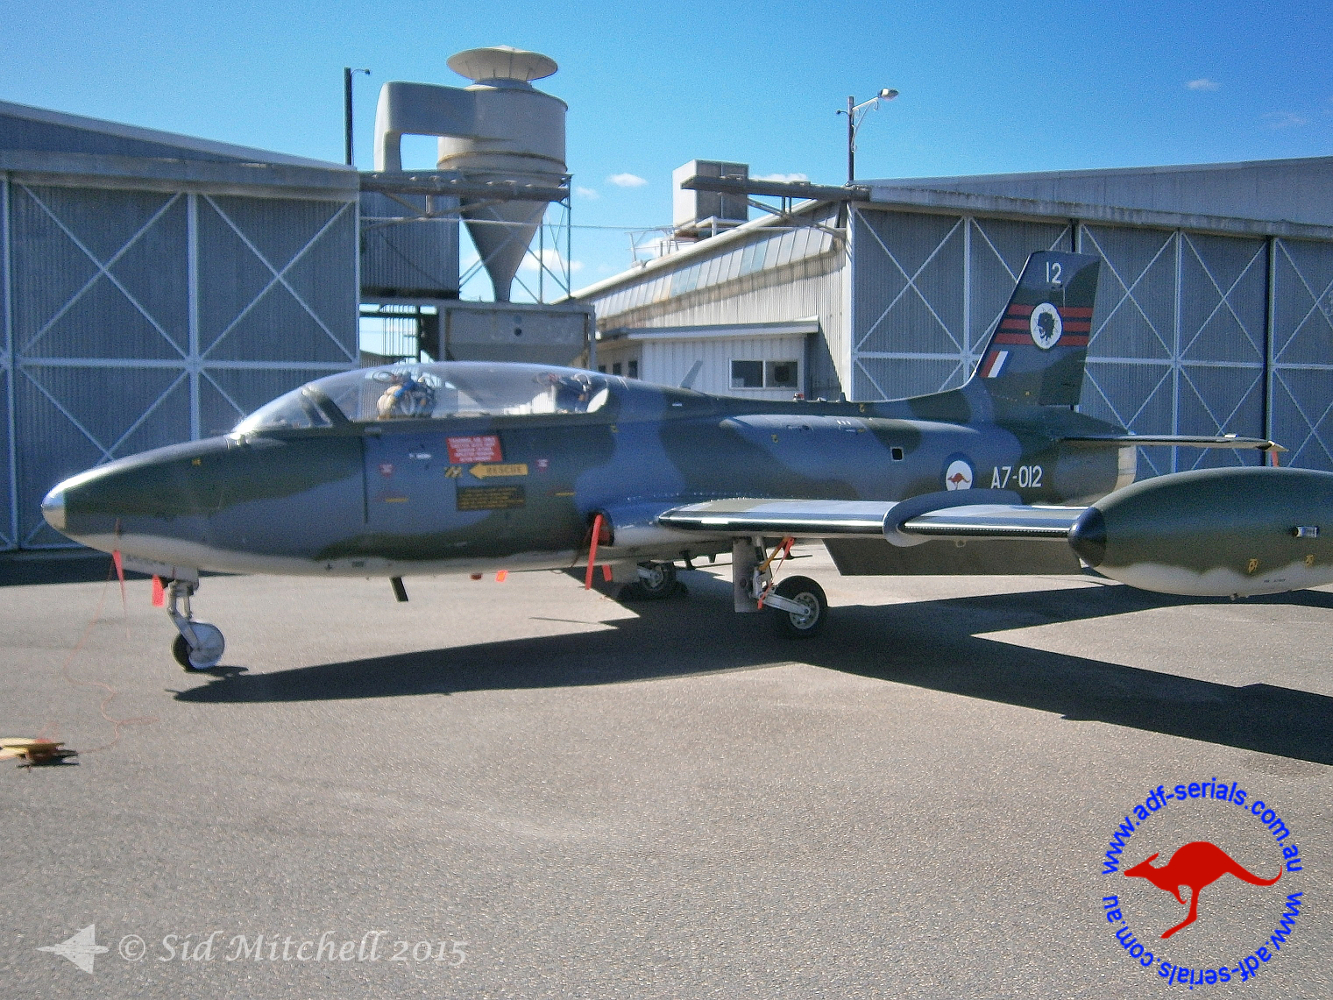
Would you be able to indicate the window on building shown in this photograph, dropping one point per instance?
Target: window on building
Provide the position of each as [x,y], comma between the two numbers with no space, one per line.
[615,368]
[632,369]
[747,374]
[780,375]
[765,374]
[602,369]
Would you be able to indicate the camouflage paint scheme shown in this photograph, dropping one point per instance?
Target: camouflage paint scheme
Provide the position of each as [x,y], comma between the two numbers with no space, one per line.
[673,471]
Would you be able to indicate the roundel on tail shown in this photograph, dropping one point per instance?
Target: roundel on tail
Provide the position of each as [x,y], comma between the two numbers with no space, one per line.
[1045,326]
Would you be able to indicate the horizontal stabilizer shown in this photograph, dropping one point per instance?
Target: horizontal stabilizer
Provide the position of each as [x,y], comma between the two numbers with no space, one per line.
[1178,441]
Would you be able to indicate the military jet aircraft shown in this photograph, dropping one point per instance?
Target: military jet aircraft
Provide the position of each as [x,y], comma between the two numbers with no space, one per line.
[463,467]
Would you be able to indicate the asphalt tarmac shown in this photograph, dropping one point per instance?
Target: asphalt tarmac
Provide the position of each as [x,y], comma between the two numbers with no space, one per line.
[524,789]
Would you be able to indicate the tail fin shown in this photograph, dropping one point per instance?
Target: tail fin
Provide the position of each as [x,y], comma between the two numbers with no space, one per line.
[1036,353]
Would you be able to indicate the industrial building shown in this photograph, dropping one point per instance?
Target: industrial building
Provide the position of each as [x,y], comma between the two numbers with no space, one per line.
[1214,309]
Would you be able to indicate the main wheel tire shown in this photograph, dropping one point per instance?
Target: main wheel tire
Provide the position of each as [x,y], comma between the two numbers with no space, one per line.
[805,591]
[209,653]
[660,582]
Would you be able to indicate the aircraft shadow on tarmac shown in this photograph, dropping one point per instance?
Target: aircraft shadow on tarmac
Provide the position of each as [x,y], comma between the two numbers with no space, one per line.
[930,644]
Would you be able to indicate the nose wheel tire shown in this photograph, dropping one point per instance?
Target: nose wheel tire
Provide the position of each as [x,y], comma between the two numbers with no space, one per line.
[657,579]
[809,594]
[209,652]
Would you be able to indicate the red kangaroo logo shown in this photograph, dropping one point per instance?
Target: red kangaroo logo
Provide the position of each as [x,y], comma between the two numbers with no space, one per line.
[958,477]
[1195,865]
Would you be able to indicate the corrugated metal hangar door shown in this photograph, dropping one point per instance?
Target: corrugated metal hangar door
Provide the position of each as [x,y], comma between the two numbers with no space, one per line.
[1193,334]
[927,290]
[1301,373]
[1178,339]
[136,318]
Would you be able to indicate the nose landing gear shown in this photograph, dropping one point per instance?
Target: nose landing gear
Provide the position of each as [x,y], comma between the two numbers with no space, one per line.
[199,645]
[798,606]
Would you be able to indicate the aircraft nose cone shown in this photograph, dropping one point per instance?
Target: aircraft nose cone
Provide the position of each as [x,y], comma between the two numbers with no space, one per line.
[53,508]
[1088,537]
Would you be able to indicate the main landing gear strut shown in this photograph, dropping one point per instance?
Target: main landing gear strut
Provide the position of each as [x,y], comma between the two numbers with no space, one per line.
[199,645]
[797,604]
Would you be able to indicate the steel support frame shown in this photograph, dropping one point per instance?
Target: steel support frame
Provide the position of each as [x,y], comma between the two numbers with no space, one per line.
[1322,303]
[966,356]
[1176,366]
[193,363]
[6,294]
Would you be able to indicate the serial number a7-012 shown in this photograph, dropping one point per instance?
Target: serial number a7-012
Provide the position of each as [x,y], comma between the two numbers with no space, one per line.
[1025,477]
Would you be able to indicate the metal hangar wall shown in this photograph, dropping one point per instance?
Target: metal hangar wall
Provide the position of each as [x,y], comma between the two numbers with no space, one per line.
[1214,309]
[155,288]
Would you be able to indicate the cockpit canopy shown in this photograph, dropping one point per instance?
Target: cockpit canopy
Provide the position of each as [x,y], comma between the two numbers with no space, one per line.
[435,390]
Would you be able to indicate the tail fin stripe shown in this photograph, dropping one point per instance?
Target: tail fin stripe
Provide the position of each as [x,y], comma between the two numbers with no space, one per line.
[1068,340]
[1018,309]
[1069,326]
[993,364]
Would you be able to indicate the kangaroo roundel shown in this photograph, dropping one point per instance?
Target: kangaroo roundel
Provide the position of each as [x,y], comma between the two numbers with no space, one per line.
[958,476]
[1045,326]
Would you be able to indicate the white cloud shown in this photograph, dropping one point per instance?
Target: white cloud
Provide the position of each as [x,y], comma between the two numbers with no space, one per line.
[1203,83]
[589,193]
[783,178]
[627,180]
[553,261]
[1285,119]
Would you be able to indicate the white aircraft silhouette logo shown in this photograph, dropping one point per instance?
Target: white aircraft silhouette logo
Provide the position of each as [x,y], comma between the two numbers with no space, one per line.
[81,949]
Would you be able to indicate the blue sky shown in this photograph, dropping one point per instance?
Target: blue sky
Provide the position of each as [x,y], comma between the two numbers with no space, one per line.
[984,87]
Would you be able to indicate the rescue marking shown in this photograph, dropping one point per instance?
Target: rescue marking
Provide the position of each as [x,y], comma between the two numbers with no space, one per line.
[489,471]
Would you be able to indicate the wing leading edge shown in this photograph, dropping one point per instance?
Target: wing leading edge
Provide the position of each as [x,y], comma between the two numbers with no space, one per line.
[904,523]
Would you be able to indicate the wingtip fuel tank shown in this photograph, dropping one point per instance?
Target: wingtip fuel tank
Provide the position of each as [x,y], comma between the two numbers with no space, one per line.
[1214,532]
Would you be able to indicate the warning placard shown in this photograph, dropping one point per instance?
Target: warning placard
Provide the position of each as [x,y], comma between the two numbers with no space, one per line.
[490,497]
[474,448]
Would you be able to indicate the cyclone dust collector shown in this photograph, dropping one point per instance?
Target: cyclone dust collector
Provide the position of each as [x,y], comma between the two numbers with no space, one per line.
[499,129]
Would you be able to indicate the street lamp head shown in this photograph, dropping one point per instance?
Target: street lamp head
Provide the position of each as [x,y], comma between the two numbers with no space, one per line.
[888,94]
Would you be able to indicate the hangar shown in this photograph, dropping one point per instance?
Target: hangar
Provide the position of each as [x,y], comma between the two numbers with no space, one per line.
[155,287]
[1214,309]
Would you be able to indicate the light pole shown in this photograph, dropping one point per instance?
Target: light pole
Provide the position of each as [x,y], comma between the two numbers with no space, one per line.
[855,113]
[347,106]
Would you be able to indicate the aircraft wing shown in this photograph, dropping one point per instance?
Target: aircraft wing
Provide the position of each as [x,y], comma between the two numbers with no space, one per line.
[993,521]
[797,518]
[960,514]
